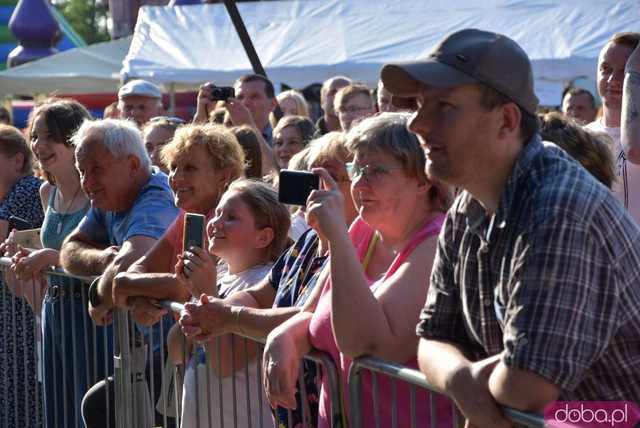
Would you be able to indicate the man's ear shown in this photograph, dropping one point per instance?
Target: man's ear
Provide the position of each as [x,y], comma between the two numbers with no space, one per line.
[134,162]
[264,237]
[511,118]
[274,103]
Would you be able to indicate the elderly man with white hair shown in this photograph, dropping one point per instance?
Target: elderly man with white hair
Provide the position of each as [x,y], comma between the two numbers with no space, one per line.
[131,207]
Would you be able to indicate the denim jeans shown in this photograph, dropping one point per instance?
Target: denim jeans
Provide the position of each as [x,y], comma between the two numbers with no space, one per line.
[76,353]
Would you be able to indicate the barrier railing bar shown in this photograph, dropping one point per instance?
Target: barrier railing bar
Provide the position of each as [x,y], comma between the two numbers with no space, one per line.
[38,355]
[376,407]
[414,377]
[246,380]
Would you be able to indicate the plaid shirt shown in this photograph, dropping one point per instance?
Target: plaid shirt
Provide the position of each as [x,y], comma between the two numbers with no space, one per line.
[552,279]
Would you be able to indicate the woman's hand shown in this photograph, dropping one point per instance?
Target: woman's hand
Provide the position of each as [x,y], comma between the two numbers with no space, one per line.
[27,263]
[196,270]
[325,208]
[280,366]
[206,319]
[9,246]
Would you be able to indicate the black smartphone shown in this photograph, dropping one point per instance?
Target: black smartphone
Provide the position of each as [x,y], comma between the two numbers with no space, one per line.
[220,93]
[193,236]
[18,223]
[295,186]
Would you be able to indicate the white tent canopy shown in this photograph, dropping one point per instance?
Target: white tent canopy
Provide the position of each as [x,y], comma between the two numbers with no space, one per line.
[86,70]
[303,42]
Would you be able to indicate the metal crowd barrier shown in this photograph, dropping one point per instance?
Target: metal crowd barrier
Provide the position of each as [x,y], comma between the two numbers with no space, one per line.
[25,361]
[396,372]
[145,391]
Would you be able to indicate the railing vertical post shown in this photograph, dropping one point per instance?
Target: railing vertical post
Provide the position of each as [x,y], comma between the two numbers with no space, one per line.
[122,370]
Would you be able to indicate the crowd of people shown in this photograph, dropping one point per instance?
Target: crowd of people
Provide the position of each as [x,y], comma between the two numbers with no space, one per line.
[447,201]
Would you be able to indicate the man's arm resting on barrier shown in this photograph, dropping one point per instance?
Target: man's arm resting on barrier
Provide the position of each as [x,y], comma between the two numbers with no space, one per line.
[521,389]
[149,277]
[81,256]
[157,286]
[447,367]
[630,119]
[130,251]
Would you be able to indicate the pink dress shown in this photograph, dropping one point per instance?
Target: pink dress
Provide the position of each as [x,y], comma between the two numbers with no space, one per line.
[322,338]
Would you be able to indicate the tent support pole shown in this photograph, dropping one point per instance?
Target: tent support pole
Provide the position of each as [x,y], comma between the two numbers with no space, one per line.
[241,29]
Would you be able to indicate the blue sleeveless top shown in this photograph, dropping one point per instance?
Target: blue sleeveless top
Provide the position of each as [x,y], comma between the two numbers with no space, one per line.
[55,227]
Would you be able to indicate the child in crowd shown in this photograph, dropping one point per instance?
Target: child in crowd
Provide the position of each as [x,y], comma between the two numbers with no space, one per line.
[248,233]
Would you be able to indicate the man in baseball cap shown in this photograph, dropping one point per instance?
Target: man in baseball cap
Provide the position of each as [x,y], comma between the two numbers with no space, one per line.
[525,302]
[140,100]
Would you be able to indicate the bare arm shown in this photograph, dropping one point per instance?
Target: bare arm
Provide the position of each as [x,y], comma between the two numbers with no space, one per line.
[447,367]
[521,389]
[149,277]
[81,256]
[388,329]
[630,120]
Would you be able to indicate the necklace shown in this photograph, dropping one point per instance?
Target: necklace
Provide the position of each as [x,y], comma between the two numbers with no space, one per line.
[64,214]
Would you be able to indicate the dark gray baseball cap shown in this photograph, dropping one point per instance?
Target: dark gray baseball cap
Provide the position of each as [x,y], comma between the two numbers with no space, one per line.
[468,57]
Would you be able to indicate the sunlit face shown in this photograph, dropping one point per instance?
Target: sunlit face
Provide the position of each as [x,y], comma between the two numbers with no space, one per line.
[579,107]
[154,140]
[330,94]
[289,107]
[196,185]
[384,100]
[140,109]
[459,135]
[232,232]
[105,178]
[286,143]
[355,109]
[54,157]
[611,63]
[381,188]
[254,97]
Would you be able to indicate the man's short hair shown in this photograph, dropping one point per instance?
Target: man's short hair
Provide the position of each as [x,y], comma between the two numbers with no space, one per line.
[628,38]
[268,85]
[579,91]
[120,138]
[348,92]
[329,82]
[490,99]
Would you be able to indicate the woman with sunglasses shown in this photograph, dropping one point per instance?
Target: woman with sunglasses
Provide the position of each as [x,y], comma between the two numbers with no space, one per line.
[380,265]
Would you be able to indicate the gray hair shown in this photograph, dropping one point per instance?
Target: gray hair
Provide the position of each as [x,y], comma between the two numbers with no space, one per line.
[121,138]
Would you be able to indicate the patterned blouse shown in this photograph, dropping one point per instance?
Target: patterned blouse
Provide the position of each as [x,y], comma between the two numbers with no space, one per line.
[294,276]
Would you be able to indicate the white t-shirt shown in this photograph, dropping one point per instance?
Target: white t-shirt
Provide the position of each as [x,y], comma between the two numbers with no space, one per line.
[627,185]
[210,385]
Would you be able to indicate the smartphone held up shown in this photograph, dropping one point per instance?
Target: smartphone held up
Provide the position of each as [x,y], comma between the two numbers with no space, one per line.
[295,186]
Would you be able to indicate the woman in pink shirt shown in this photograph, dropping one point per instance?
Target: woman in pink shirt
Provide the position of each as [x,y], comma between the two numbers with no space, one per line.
[379,271]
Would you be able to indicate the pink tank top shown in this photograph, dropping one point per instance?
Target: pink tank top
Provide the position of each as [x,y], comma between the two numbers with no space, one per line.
[321,336]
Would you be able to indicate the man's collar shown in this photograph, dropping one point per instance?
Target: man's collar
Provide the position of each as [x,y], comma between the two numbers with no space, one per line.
[474,211]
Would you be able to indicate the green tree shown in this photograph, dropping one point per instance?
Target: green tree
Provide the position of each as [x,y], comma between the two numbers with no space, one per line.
[88,18]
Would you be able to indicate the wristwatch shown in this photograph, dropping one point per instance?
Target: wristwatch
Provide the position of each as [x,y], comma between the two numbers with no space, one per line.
[94,299]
